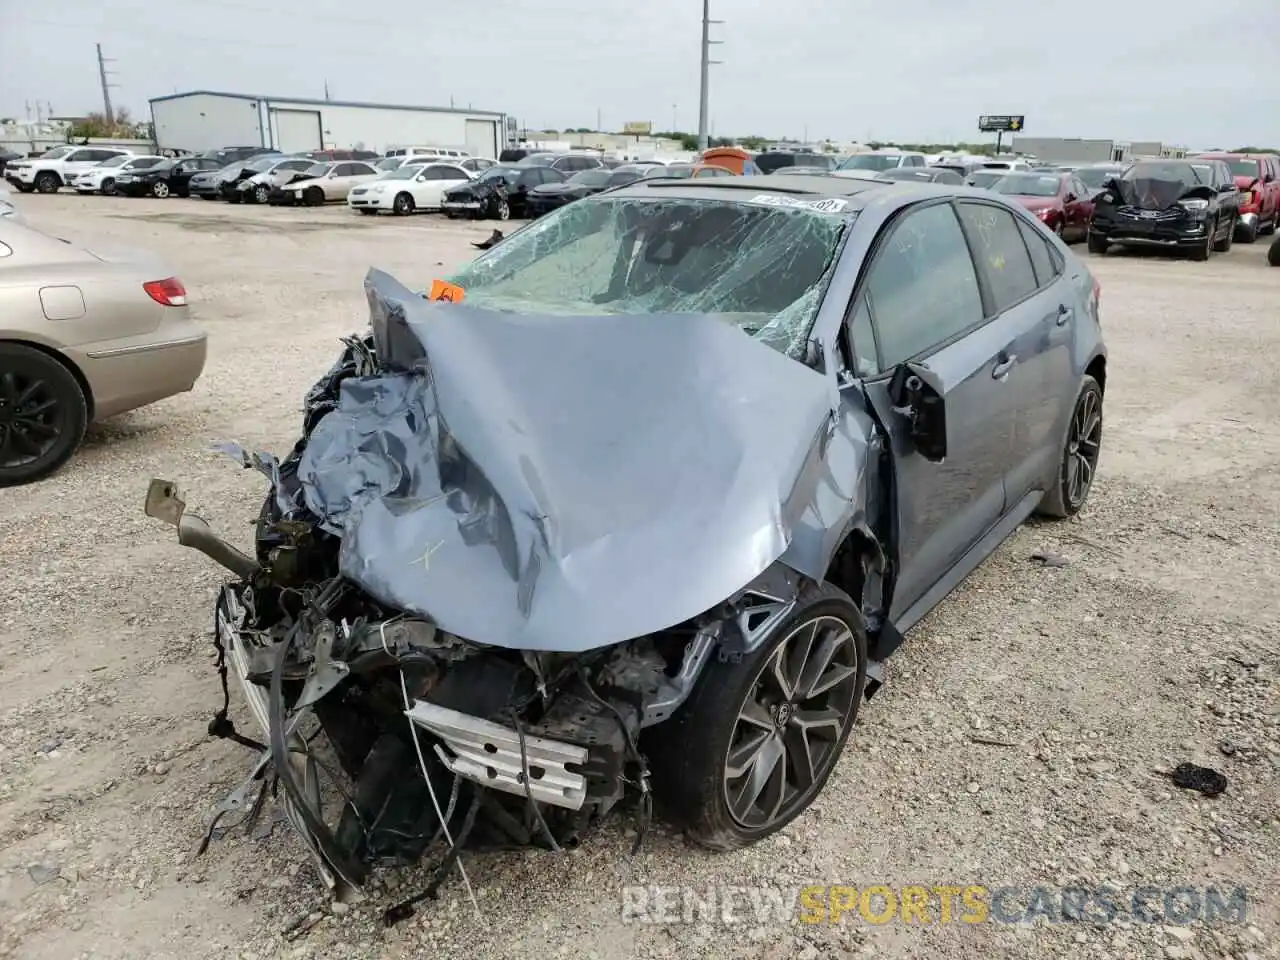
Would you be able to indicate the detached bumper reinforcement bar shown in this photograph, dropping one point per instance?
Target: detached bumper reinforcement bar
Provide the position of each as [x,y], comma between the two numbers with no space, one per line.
[489,754]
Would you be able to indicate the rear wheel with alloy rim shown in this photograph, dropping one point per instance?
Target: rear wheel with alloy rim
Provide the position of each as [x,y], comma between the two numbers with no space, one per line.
[403,205]
[757,740]
[160,190]
[43,414]
[1079,454]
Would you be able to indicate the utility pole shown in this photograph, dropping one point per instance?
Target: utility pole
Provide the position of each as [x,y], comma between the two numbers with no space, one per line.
[107,113]
[703,113]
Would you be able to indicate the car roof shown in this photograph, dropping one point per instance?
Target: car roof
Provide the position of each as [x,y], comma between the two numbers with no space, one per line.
[743,188]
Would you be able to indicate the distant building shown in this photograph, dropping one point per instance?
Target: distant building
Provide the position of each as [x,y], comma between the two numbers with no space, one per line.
[208,120]
[1077,150]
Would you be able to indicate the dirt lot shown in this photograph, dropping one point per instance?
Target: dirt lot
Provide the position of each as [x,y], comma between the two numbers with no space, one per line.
[1018,741]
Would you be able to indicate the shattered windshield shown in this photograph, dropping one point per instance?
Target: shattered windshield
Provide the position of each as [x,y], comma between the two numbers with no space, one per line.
[591,178]
[1095,177]
[763,268]
[871,161]
[509,174]
[1027,185]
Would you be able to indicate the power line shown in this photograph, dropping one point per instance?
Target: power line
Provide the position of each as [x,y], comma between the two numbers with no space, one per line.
[107,113]
[703,113]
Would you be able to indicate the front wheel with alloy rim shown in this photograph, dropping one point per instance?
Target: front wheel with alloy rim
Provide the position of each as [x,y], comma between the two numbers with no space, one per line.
[403,205]
[757,739]
[314,197]
[261,193]
[1097,244]
[502,209]
[160,190]
[1079,463]
[1204,250]
[108,187]
[43,414]
[48,182]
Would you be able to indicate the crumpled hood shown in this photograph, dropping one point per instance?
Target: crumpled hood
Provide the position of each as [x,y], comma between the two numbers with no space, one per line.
[1150,193]
[561,483]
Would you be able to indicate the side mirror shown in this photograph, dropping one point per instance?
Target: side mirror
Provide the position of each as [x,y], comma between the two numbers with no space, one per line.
[1227,188]
[1070,198]
[916,393]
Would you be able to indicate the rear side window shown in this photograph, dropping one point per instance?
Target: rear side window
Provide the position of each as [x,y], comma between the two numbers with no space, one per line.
[1000,253]
[1042,258]
[922,289]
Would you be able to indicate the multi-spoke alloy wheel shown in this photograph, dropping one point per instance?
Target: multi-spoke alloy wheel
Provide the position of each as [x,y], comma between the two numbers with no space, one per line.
[791,723]
[1079,455]
[760,733]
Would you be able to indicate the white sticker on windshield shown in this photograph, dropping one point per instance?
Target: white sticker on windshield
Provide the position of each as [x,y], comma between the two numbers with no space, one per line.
[829,205]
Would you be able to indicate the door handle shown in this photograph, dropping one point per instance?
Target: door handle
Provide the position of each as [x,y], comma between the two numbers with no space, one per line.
[1004,363]
[1064,314]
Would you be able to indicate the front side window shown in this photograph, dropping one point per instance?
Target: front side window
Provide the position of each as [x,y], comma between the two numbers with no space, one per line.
[763,269]
[1000,253]
[922,286]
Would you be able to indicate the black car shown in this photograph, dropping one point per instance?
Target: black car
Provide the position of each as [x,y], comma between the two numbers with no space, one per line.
[500,192]
[1168,203]
[6,156]
[550,196]
[566,163]
[1095,175]
[922,175]
[168,179]
[774,161]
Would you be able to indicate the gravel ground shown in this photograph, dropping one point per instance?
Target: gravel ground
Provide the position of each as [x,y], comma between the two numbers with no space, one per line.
[1018,742]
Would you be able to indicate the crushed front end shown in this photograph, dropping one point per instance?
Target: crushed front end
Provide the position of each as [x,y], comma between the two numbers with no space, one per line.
[386,730]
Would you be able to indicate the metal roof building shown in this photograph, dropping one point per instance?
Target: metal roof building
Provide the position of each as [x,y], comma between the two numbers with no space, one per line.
[208,120]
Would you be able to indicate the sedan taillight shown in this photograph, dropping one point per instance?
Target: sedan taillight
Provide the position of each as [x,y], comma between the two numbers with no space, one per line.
[168,292]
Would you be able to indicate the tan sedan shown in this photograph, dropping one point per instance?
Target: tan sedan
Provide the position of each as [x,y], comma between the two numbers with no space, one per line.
[83,336]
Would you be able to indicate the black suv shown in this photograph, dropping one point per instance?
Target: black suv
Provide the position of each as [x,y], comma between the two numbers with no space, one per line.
[1179,204]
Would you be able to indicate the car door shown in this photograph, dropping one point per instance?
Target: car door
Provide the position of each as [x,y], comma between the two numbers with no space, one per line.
[1085,203]
[921,297]
[78,162]
[1035,311]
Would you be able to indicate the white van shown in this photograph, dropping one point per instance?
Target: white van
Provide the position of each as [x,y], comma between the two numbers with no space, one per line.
[444,154]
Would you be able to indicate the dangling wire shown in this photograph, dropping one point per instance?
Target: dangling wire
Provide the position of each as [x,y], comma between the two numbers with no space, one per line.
[454,852]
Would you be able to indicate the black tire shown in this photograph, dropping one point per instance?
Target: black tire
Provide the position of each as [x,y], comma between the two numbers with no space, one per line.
[1273,253]
[367,213]
[24,187]
[314,197]
[502,210]
[108,187]
[691,775]
[1224,245]
[233,197]
[48,182]
[34,445]
[1098,244]
[261,193]
[160,190]
[1205,250]
[1245,233]
[1271,225]
[1064,499]
[403,205]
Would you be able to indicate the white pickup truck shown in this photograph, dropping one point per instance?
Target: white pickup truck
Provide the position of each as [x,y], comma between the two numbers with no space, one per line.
[57,167]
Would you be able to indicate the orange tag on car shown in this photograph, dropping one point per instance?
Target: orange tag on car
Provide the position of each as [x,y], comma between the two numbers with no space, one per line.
[446,291]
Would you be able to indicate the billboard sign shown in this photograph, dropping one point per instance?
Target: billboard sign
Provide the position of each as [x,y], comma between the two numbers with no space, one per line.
[1002,123]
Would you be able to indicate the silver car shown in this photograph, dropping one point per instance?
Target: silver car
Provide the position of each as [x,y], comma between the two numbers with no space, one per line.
[84,335]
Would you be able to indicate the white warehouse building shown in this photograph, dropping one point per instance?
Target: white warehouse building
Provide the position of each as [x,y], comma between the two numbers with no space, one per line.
[208,120]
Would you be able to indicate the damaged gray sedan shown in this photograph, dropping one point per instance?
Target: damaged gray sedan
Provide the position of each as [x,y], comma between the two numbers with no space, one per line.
[641,513]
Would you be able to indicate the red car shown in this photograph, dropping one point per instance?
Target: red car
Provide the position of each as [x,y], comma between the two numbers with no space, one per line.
[1257,178]
[1059,200]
